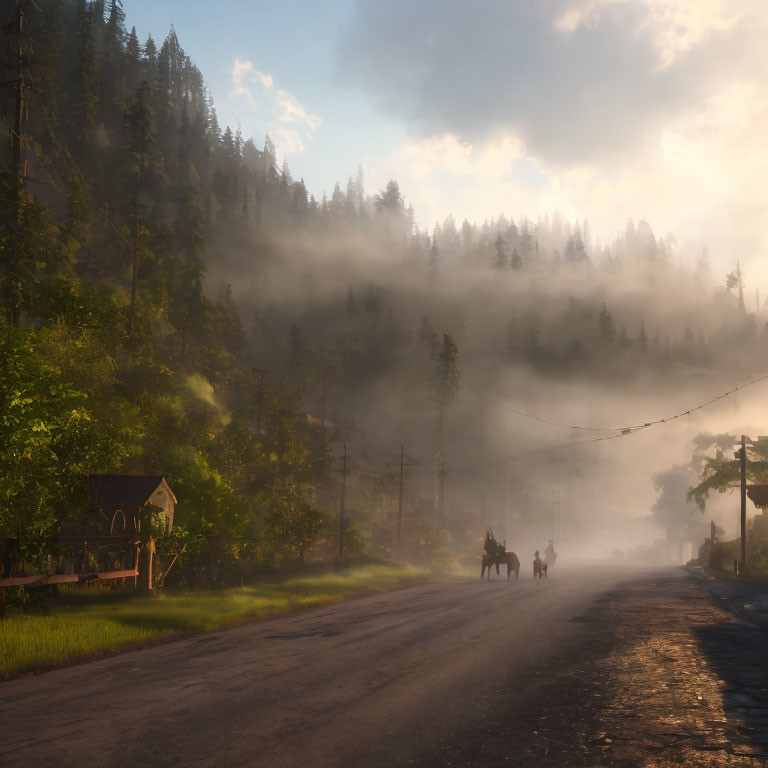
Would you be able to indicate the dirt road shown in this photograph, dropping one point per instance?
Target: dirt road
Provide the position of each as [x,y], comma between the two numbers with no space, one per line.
[468,673]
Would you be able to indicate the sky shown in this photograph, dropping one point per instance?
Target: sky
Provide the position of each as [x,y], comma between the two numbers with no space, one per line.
[601,109]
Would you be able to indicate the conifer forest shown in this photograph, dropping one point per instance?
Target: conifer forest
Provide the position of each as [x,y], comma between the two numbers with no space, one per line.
[382,383]
[175,302]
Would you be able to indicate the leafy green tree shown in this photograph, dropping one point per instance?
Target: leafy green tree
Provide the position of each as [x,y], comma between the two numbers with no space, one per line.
[721,472]
[50,440]
[293,524]
[674,512]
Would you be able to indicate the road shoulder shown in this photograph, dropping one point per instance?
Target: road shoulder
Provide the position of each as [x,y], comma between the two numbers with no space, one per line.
[661,675]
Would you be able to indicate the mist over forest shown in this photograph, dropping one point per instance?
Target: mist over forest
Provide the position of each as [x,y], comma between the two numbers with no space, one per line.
[175,302]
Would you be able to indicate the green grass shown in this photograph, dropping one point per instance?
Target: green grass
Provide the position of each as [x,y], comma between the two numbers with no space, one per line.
[103,621]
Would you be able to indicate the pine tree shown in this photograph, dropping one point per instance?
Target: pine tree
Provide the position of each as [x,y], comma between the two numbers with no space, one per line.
[139,133]
[735,279]
[445,379]
[428,337]
[501,254]
[642,338]
[433,264]
[607,326]
[533,337]
[116,20]
[87,76]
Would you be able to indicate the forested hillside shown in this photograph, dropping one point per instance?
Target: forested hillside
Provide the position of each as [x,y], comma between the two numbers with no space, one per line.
[176,303]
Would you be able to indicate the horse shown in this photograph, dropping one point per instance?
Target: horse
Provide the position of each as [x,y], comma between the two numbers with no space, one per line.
[550,556]
[510,559]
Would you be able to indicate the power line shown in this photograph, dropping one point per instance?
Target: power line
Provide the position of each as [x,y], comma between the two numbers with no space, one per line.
[622,432]
[538,452]
[530,415]
[737,388]
[626,429]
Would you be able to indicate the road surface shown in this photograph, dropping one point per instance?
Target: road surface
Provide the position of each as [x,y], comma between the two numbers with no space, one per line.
[596,666]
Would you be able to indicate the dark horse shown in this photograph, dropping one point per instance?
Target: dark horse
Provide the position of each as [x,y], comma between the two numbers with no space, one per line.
[496,554]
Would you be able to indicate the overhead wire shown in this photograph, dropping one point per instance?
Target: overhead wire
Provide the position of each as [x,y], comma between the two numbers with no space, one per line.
[530,415]
[633,427]
[620,432]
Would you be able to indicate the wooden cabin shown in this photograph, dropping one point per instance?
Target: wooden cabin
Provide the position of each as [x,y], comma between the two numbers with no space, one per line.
[120,499]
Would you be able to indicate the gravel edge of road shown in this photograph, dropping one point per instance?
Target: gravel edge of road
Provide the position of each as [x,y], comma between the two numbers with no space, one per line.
[744,601]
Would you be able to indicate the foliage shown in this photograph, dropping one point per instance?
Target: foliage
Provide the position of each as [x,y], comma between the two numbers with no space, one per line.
[51,437]
[720,472]
[140,166]
[293,523]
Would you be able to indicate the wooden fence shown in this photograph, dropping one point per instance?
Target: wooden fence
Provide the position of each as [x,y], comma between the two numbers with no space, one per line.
[67,578]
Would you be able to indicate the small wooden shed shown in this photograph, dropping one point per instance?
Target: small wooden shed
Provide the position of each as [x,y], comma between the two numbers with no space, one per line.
[120,499]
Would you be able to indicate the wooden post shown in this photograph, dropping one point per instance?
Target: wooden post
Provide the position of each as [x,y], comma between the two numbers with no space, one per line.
[400,506]
[341,505]
[147,550]
[508,501]
[743,460]
[146,557]
[441,474]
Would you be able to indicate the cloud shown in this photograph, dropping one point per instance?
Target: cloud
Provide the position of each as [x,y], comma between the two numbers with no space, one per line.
[574,79]
[288,121]
[606,109]
[702,179]
[676,26]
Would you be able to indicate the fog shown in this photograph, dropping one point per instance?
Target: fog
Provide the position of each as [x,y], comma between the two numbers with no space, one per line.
[562,371]
[365,297]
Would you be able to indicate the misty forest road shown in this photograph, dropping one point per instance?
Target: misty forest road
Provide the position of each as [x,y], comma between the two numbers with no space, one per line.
[594,666]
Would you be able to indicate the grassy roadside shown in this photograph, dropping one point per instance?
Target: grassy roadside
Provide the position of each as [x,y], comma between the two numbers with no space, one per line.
[88,624]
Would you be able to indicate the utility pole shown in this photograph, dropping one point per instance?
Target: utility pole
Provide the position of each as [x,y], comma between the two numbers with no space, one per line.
[508,500]
[341,505]
[259,396]
[19,164]
[743,460]
[400,504]
[441,474]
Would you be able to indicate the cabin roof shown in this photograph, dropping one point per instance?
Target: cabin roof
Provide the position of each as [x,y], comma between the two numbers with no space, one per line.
[113,491]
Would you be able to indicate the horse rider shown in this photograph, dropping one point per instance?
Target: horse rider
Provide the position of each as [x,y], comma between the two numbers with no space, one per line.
[491,547]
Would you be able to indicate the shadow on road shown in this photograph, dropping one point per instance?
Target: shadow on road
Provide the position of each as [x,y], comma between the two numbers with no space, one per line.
[736,653]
